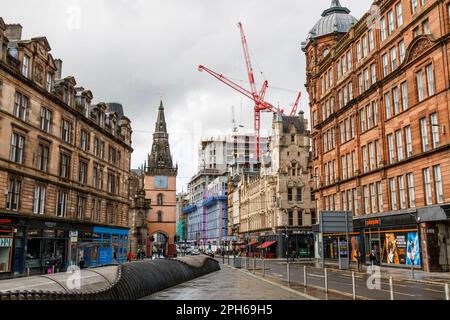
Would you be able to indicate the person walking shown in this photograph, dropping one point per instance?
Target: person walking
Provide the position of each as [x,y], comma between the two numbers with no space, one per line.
[130,256]
[359,259]
[372,259]
[82,263]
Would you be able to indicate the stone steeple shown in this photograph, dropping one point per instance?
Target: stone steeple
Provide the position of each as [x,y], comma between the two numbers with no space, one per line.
[160,159]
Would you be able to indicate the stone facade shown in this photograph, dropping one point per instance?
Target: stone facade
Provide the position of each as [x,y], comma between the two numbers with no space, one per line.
[379,99]
[278,199]
[64,162]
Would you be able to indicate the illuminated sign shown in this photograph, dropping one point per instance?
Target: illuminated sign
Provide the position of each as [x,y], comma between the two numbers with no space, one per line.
[373,222]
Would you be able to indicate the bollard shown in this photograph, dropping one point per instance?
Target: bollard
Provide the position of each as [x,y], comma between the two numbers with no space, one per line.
[288,274]
[254,265]
[305,283]
[264,267]
[353,285]
[228,258]
[447,293]
[28,272]
[326,280]
[391,286]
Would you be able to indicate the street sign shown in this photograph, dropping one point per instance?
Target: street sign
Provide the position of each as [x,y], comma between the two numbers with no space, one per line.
[336,222]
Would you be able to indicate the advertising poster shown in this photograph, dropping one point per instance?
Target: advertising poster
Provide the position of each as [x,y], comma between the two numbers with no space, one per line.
[355,244]
[413,249]
[389,254]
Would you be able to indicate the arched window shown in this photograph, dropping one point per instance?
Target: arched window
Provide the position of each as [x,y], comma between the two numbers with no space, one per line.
[159,200]
[161,161]
[160,216]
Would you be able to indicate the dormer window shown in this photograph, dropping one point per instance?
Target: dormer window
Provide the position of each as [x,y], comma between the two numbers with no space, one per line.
[49,82]
[26,66]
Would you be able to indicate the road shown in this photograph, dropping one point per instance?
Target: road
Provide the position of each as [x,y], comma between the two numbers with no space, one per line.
[340,281]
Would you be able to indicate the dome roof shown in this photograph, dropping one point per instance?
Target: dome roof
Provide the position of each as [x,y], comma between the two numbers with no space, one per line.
[334,19]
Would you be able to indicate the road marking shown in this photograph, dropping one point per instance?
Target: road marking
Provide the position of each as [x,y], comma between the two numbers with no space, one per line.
[438,291]
[316,275]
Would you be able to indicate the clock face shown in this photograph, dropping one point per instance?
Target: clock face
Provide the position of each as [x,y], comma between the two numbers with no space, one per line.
[161,182]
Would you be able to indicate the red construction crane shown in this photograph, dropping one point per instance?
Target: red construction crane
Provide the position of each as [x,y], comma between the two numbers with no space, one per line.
[258,98]
[294,108]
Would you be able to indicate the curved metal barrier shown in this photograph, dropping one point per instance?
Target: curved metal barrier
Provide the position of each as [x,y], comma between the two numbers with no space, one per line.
[132,281]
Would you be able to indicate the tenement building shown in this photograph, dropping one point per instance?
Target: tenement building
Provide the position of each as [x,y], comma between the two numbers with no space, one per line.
[379,99]
[275,207]
[64,165]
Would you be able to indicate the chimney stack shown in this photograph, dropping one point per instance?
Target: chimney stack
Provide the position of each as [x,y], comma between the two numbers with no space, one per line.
[58,63]
[13,32]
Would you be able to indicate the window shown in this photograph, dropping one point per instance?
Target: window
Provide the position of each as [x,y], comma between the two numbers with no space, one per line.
[414,6]
[81,206]
[360,83]
[405,101]
[300,217]
[383,29]
[427,184]
[399,10]
[49,82]
[371,40]
[391,148]
[315,118]
[362,115]
[408,138]
[430,80]
[369,117]
[411,194]
[416,32]
[26,66]
[290,197]
[364,46]
[438,184]
[82,172]
[426,27]
[393,188]
[349,61]
[317,177]
[366,200]
[355,202]
[401,50]
[380,197]
[343,168]
[366,79]
[17,148]
[401,192]
[39,199]
[364,155]
[419,79]
[66,131]
[387,103]
[42,157]
[342,132]
[385,65]
[373,198]
[391,24]
[61,203]
[344,89]
[393,58]
[300,193]
[20,106]
[395,97]
[355,164]
[371,157]
[344,200]
[327,180]
[373,71]
[378,152]
[358,51]
[95,176]
[350,91]
[339,69]
[347,129]
[96,147]
[290,218]
[46,119]
[84,140]
[399,141]
[424,134]
[111,183]
[13,199]
[64,165]
[100,177]
[435,129]
[352,126]
[112,155]
[349,166]
[375,113]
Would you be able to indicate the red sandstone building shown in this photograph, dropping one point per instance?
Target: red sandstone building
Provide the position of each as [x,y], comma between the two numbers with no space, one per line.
[380,114]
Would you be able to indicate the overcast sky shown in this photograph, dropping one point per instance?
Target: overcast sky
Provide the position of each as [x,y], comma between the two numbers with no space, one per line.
[132,51]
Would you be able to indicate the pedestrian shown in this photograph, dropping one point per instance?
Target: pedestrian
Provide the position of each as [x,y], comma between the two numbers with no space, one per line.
[373,259]
[359,259]
[115,257]
[130,256]
[293,255]
[82,263]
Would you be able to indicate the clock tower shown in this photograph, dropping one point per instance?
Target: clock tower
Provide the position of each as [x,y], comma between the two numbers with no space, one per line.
[160,188]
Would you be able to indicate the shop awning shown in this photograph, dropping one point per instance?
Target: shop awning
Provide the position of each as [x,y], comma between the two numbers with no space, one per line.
[266,244]
[252,243]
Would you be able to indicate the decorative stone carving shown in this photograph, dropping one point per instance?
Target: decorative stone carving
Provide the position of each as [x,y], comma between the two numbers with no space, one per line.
[418,47]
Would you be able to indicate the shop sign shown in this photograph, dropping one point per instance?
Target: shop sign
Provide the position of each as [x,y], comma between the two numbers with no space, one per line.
[373,222]
[73,239]
[73,234]
[5,221]
[5,242]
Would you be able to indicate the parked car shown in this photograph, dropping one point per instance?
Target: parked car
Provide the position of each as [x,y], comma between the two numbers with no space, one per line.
[209,253]
[195,252]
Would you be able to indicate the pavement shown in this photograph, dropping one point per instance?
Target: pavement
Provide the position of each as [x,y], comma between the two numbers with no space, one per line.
[229,284]
[340,282]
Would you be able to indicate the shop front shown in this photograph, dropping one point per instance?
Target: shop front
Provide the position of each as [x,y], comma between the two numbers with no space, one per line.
[299,243]
[393,238]
[6,246]
[110,246]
